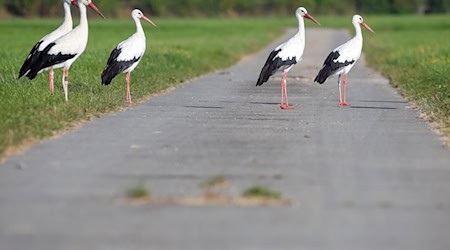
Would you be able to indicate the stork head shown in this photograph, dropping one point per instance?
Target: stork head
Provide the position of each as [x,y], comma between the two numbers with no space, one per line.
[357,19]
[91,5]
[137,14]
[303,13]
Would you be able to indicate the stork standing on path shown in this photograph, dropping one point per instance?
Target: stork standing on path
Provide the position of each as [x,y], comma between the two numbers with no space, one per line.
[342,59]
[127,55]
[36,51]
[64,51]
[285,56]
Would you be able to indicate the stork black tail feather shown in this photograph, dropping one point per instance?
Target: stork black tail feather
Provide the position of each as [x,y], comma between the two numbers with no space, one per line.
[31,60]
[328,68]
[108,75]
[264,75]
[268,69]
[323,75]
[111,69]
[32,73]
[46,60]
[273,64]
[331,66]
[115,67]
[26,67]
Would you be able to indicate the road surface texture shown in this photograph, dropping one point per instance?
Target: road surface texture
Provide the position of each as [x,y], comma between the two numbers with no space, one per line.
[372,176]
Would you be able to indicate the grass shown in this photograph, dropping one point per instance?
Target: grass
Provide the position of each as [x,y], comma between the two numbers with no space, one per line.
[261,192]
[219,181]
[414,52]
[138,192]
[178,50]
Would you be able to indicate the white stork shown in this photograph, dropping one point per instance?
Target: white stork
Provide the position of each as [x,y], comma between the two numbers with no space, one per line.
[285,56]
[127,55]
[35,52]
[342,59]
[64,51]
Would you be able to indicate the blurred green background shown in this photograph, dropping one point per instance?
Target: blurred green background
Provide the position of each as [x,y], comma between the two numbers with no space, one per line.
[121,8]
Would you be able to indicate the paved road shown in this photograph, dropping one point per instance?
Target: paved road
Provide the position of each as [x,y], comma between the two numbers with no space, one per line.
[368,177]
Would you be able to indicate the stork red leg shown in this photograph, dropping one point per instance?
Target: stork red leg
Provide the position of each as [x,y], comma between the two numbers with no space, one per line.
[66,83]
[287,100]
[345,92]
[50,79]
[340,91]
[128,89]
[284,93]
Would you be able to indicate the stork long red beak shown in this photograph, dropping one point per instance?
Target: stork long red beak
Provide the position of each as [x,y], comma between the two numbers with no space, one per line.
[307,15]
[94,8]
[74,3]
[367,27]
[148,21]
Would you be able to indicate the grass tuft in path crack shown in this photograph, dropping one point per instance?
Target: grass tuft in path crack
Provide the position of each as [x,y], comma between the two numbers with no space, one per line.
[261,192]
[216,182]
[138,192]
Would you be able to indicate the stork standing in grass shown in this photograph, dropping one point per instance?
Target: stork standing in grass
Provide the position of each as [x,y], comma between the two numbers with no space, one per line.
[127,55]
[285,56]
[36,51]
[341,60]
[64,51]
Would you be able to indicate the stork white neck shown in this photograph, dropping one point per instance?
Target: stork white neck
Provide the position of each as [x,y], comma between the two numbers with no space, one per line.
[83,15]
[139,29]
[301,27]
[68,22]
[358,32]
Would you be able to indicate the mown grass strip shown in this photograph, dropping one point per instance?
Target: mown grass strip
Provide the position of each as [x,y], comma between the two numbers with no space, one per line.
[178,50]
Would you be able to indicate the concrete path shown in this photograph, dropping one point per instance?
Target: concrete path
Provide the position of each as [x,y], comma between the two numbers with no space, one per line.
[372,176]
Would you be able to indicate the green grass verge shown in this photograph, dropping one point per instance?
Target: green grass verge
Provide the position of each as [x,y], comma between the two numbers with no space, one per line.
[178,50]
[414,52]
